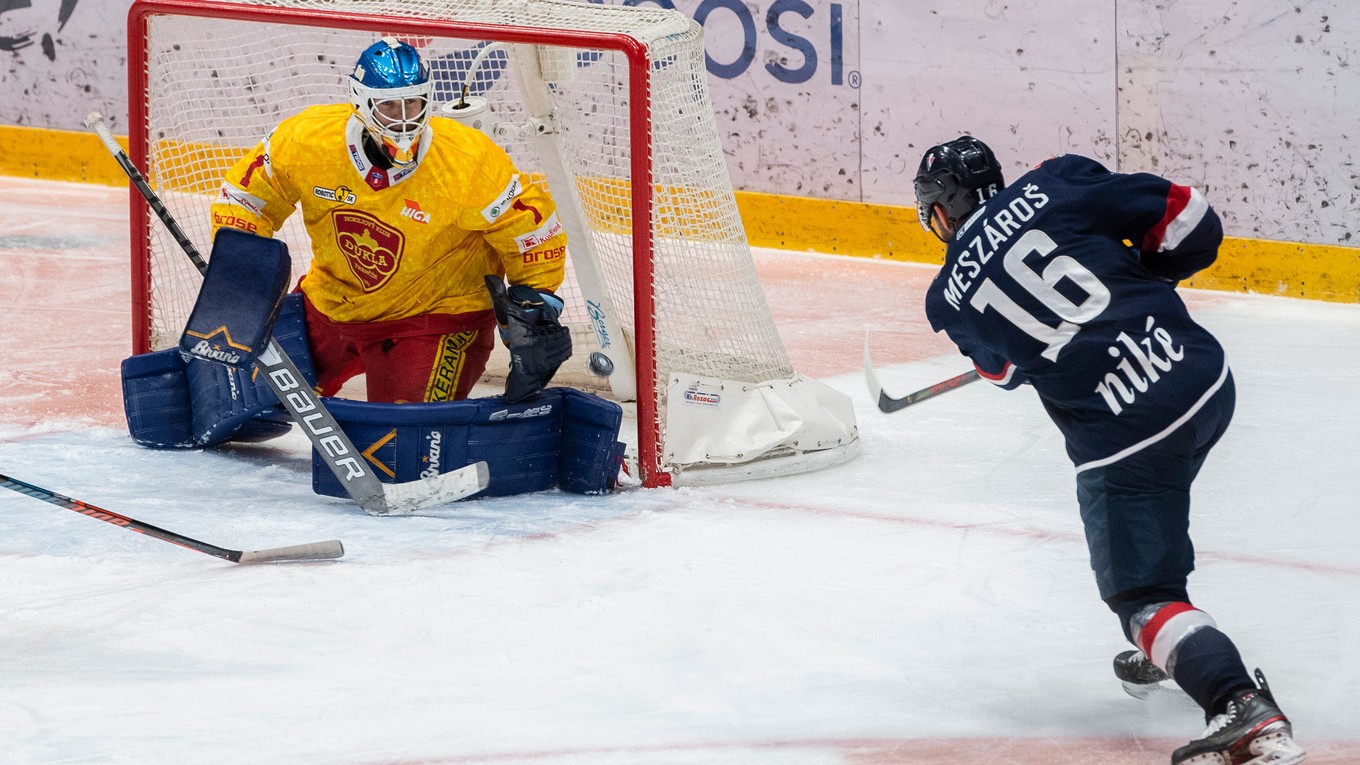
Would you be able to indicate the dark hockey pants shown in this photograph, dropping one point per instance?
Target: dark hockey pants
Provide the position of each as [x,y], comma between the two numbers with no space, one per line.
[1137,517]
[1136,511]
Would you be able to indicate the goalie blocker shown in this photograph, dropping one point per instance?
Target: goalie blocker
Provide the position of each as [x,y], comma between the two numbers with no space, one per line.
[241,295]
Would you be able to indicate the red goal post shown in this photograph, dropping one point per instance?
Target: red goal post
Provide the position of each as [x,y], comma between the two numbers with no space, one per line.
[607,106]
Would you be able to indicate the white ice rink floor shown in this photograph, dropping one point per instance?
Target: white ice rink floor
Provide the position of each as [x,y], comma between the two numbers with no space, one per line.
[928,602]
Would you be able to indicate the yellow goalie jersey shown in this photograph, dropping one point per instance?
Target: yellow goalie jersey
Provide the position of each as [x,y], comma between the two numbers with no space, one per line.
[407,241]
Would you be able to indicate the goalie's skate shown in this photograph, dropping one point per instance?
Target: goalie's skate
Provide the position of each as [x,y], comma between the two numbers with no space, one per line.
[1139,676]
[1251,731]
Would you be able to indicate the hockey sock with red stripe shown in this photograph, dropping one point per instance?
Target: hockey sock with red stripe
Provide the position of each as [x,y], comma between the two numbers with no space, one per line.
[1186,643]
[1208,668]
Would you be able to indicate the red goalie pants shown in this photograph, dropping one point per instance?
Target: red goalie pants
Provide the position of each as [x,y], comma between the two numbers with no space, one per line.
[436,357]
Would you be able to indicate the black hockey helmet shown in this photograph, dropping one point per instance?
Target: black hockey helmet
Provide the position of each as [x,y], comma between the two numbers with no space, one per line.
[958,176]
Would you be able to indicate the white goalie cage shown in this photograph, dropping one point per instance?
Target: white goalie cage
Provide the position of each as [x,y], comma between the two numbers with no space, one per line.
[607,106]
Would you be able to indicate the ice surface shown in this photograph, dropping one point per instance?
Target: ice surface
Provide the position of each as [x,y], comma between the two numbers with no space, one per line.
[928,602]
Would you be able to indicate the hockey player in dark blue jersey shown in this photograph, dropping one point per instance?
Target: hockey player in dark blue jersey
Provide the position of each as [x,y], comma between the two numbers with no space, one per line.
[1065,281]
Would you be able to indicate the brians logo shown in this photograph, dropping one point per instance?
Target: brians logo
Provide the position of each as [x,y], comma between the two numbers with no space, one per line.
[204,350]
[432,471]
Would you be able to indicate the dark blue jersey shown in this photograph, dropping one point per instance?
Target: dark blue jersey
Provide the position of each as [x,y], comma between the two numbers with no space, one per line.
[1065,280]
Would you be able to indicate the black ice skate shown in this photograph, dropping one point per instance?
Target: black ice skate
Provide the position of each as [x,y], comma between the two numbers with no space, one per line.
[1139,676]
[1251,731]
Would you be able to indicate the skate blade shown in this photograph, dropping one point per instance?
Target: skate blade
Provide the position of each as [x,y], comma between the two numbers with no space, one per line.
[1208,758]
[1140,691]
[1273,749]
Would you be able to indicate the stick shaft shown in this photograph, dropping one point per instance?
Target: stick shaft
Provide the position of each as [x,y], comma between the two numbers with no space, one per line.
[138,180]
[887,403]
[312,551]
[117,519]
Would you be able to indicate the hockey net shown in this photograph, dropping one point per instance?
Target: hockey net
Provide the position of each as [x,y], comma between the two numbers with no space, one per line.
[607,106]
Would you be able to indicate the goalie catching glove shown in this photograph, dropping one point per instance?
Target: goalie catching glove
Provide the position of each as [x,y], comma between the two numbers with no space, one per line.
[537,341]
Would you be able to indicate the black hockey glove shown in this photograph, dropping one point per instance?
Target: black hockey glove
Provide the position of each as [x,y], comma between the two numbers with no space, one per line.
[1153,265]
[538,343]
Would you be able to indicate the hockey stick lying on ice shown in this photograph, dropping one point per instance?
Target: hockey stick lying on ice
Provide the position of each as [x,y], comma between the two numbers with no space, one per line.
[887,403]
[313,551]
[329,441]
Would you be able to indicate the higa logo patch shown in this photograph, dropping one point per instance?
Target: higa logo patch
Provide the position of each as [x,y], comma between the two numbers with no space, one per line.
[412,210]
[341,194]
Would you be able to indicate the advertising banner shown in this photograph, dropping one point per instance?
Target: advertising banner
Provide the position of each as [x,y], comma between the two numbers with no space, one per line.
[1252,102]
[63,60]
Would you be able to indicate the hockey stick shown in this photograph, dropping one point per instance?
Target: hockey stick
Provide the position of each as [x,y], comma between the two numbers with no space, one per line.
[888,403]
[304,405]
[313,551]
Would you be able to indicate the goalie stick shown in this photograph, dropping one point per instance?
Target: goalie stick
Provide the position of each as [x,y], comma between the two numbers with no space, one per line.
[304,405]
[313,551]
[888,403]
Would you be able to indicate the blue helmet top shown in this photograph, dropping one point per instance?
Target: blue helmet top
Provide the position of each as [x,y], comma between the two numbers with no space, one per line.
[390,63]
[391,91]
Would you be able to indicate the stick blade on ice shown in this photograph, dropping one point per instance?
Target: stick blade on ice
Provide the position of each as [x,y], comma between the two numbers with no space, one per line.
[411,496]
[888,404]
[881,399]
[327,550]
[870,376]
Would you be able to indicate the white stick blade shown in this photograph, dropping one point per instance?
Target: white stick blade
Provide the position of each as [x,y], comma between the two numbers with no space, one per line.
[870,376]
[312,551]
[411,496]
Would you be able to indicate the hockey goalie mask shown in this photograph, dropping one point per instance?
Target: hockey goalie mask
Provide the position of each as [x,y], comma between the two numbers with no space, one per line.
[391,89]
[958,176]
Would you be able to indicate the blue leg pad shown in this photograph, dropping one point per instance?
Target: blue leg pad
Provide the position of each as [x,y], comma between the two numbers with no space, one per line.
[172,403]
[156,400]
[559,438]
